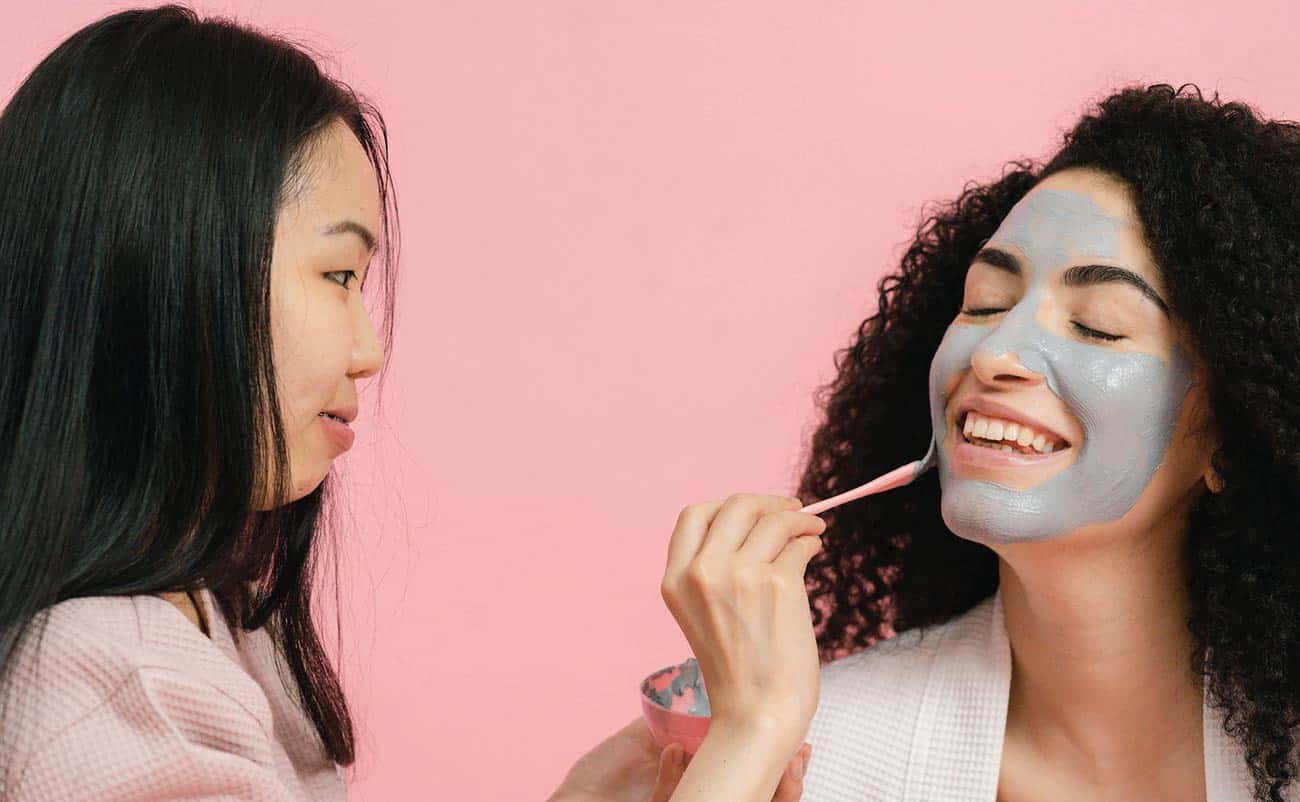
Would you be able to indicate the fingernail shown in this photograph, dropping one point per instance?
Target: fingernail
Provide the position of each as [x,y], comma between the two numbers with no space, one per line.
[806,759]
[796,770]
[679,757]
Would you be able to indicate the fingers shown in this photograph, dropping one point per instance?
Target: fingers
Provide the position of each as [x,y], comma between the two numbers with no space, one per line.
[718,526]
[774,530]
[736,518]
[671,768]
[688,535]
[791,786]
[793,559]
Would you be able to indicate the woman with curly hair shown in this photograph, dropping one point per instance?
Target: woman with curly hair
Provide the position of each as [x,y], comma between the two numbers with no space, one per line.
[1096,595]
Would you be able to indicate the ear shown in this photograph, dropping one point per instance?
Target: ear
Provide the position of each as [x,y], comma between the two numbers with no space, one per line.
[1213,480]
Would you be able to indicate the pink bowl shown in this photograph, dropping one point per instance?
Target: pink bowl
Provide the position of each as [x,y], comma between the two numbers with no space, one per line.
[676,706]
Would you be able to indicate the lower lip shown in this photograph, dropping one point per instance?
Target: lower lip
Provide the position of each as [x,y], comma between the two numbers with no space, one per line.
[985,457]
[341,432]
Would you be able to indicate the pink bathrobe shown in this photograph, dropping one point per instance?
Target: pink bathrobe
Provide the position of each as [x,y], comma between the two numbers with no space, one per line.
[128,700]
[922,718]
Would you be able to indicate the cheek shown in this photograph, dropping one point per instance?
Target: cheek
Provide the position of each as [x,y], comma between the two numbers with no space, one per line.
[1180,470]
[1194,440]
[950,362]
[312,347]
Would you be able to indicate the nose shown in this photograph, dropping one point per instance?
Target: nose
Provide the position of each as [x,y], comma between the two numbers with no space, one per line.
[1002,369]
[367,351]
[999,360]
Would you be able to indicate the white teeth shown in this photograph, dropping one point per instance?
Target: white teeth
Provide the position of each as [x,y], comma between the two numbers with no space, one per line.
[978,426]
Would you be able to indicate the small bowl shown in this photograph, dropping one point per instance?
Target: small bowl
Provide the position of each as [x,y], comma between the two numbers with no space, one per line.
[676,706]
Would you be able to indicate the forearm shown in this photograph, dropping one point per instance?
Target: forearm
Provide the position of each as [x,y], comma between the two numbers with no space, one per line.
[735,766]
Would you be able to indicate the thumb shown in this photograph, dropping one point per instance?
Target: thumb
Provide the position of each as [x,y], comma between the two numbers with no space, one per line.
[671,768]
[791,786]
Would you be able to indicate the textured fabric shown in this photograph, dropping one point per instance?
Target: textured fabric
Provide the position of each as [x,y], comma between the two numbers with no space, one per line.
[922,715]
[123,698]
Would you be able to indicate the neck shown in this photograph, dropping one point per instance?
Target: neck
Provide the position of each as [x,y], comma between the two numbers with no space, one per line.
[1101,679]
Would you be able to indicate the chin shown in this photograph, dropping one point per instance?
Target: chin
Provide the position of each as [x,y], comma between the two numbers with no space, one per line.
[978,512]
[301,491]
[304,481]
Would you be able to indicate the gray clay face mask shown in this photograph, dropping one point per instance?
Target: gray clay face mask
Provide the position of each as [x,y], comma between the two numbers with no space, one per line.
[1127,403]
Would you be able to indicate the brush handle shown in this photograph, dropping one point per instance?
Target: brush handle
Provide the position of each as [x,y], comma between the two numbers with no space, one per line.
[902,475]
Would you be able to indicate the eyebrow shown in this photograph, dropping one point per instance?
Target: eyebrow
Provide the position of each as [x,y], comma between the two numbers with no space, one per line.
[1077,276]
[345,226]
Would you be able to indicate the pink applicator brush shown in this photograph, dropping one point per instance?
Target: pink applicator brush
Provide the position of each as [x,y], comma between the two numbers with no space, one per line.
[902,475]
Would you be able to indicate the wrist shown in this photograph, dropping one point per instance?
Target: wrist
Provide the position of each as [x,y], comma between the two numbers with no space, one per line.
[761,734]
[746,758]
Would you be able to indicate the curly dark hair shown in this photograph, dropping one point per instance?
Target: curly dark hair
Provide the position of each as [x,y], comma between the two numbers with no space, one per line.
[1217,189]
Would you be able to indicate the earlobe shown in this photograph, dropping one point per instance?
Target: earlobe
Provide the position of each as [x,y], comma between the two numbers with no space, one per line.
[1213,481]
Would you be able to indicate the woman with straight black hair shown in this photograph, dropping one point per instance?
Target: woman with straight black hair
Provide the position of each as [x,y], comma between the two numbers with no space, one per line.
[190,211]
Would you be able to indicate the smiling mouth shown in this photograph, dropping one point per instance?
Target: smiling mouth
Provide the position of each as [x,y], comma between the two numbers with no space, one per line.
[999,434]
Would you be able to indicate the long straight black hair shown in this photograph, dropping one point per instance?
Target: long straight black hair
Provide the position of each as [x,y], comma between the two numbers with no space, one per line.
[143,164]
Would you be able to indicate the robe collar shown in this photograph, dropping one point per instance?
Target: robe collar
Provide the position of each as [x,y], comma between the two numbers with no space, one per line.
[966,751]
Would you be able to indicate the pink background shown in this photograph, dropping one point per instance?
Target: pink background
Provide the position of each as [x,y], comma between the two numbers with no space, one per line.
[635,233]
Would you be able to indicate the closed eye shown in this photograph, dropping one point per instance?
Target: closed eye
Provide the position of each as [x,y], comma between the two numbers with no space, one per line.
[1082,329]
[1095,334]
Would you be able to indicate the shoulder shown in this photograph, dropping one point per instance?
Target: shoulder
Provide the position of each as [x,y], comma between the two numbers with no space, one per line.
[122,684]
[871,701]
